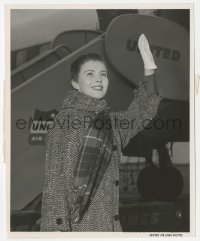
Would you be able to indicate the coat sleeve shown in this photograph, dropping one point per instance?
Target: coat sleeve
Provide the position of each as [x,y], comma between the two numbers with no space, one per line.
[54,209]
[138,115]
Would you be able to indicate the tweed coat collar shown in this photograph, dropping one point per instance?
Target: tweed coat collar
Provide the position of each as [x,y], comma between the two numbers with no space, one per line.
[78,100]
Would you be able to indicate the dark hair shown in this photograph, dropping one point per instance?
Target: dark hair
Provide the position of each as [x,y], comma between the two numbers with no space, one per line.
[76,65]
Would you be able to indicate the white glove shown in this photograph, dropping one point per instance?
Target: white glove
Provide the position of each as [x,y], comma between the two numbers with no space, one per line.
[145,52]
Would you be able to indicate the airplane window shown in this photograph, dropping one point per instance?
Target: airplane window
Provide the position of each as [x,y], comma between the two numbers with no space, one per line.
[21,57]
[13,60]
[44,47]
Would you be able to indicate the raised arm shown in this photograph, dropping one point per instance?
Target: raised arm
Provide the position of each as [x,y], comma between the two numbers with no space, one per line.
[149,64]
[145,102]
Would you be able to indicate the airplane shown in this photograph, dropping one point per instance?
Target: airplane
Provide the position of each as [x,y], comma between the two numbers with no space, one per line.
[117,45]
[28,38]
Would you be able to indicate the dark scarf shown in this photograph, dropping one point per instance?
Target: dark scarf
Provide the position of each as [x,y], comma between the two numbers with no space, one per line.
[95,152]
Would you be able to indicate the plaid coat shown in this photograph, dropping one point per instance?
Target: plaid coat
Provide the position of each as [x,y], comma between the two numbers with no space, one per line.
[63,144]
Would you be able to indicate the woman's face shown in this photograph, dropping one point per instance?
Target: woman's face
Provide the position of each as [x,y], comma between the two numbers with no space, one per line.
[92,79]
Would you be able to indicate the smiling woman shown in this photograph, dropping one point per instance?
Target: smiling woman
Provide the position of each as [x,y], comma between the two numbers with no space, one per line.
[92,78]
[81,190]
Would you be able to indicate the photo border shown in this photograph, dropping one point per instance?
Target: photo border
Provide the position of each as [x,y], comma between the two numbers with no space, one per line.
[7,112]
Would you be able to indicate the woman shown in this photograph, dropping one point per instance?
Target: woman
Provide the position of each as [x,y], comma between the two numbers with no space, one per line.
[81,191]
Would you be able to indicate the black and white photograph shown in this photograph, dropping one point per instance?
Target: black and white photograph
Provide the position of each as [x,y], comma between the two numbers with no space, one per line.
[100,127]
